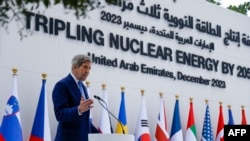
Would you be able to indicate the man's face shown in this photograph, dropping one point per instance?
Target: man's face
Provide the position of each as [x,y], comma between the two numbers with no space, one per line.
[82,72]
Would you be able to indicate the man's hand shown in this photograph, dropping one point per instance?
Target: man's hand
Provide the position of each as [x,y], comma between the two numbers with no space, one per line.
[85,105]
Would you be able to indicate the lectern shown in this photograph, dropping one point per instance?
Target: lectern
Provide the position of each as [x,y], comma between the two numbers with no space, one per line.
[111,137]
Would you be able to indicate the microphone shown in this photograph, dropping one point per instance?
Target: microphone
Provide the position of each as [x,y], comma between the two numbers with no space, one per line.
[97,97]
[106,108]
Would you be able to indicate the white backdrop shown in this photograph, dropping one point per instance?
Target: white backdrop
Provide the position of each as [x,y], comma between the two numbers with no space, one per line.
[45,53]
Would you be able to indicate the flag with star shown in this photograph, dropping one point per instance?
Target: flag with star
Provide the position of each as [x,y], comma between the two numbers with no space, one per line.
[207,132]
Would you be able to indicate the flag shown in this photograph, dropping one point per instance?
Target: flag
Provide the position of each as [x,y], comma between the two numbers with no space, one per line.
[88,91]
[11,123]
[176,131]
[104,125]
[220,126]
[207,132]
[142,128]
[230,116]
[161,133]
[1,136]
[122,117]
[244,119]
[41,128]
[191,134]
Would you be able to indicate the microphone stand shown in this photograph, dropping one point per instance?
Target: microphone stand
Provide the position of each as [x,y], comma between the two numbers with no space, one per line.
[99,100]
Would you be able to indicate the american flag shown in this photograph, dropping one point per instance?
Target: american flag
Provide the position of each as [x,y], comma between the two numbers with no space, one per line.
[207,132]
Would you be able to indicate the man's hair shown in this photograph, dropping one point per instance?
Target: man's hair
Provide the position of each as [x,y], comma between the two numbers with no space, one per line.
[79,59]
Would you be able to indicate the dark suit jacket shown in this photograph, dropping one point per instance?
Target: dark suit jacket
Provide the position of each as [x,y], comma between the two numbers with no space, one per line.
[71,126]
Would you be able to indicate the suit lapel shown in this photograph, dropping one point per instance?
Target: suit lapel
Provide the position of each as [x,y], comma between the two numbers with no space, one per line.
[76,90]
[74,86]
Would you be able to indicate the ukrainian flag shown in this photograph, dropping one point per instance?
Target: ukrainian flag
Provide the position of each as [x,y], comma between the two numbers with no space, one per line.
[122,117]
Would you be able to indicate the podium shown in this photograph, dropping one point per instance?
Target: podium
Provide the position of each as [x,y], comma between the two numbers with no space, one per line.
[111,137]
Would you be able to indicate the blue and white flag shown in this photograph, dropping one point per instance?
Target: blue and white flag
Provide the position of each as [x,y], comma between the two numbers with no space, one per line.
[41,128]
[11,123]
[176,131]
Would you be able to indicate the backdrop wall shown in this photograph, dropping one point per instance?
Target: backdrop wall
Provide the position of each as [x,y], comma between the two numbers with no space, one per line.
[159,41]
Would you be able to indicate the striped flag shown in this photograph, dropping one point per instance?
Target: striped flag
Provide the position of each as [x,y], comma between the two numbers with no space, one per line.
[142,129]
[207,132]
[176,131]
[104,125]
[11,123]
[161,133]
[220,126]
[122,117]
[190,134]
[243,116]
[41,128]
[230,116]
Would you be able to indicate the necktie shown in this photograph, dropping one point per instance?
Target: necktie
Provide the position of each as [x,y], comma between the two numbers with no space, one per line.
[81,89]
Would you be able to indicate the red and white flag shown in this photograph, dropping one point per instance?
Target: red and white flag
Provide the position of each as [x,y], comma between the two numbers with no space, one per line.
[104,125]
[89,95]
[220,126]
[244,119]
[161,133]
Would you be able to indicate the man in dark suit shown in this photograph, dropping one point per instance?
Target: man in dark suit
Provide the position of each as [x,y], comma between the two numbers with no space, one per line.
[72,104]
